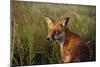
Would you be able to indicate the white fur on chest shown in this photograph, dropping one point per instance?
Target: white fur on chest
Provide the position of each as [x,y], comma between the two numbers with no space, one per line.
[60,37]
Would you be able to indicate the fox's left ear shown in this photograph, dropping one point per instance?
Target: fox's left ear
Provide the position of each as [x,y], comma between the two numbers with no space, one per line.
[65,21]
[48,19]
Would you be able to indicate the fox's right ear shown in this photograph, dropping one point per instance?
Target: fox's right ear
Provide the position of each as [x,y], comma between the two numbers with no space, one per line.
[65,21]
[48,19]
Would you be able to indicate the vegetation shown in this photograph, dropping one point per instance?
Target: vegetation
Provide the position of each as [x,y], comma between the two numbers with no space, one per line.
[29,30]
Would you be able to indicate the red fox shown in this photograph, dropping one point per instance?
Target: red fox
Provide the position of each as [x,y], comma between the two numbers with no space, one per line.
[72,47]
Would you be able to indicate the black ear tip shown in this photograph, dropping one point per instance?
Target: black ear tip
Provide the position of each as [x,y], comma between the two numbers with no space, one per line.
[67,18]
[45,16]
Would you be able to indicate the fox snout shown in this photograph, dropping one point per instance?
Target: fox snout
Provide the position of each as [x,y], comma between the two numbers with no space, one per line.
[50,38]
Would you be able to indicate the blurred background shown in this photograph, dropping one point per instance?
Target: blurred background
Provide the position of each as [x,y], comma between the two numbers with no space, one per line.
[29,30]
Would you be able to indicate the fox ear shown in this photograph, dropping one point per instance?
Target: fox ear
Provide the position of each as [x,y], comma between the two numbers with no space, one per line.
[48,19]
[65,21]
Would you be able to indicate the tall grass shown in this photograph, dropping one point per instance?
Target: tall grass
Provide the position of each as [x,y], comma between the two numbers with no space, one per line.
[29,30]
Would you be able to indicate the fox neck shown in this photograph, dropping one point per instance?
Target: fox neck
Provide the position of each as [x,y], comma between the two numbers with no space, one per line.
[65,37]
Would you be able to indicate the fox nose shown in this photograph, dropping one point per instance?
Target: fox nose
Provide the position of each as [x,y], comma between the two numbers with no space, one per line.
[48,39]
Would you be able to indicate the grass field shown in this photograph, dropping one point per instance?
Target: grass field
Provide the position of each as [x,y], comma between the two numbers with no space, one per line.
[29,30]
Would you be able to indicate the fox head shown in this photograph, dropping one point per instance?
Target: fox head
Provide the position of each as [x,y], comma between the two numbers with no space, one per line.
[56,29]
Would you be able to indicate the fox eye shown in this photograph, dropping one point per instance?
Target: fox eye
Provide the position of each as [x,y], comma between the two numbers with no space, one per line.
[61,25]
[54,32]
[58,31]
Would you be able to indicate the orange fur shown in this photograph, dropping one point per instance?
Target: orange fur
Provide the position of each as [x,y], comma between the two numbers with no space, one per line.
[73,48]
